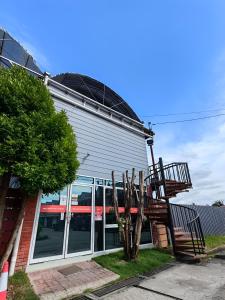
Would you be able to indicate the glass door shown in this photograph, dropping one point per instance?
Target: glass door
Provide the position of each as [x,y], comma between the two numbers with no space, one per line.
[80,221]
[113,238]
[50,236]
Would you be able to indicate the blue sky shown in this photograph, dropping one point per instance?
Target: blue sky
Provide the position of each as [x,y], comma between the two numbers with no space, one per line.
[160,56]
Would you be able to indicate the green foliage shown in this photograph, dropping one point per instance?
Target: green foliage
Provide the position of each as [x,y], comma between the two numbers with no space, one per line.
[147,260]
[218,203]
[20,288]
[37,144]
[213,241]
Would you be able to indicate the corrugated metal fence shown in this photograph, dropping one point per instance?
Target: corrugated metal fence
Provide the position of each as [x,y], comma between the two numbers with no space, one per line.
[212,219]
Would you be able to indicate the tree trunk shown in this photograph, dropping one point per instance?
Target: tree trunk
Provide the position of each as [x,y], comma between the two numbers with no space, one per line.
[131,247]
[3,193]
[140,214]
[9,248]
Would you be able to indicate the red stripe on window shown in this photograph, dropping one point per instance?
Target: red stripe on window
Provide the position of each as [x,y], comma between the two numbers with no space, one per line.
[82,209]
[53,208]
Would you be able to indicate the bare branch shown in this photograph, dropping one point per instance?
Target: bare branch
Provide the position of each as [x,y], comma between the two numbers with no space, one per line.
[115,200]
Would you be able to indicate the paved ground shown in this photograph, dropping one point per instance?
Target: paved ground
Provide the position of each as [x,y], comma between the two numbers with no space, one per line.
[183,281]
[52,284]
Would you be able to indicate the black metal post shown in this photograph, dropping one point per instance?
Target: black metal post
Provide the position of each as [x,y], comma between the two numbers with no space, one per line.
[170,219]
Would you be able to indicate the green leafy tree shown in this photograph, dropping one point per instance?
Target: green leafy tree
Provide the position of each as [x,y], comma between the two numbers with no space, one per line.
[218,203]
[37,144]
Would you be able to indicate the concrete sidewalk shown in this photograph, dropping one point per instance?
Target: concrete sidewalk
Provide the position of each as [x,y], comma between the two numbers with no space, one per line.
[187,282]
[63,282]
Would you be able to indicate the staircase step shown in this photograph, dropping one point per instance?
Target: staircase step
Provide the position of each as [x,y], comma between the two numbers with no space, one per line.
[191,251]
[158,211]
[180,233]
[158,205]
[184,246]
[184,239]
[178,228]
[158,218]
[195,256]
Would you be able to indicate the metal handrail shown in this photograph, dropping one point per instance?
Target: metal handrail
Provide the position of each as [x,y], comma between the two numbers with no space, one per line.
[188,219]
[167,180]
[164,182]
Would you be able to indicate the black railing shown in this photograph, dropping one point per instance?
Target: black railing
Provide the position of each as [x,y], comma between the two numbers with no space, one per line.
[187,220]
[165,178]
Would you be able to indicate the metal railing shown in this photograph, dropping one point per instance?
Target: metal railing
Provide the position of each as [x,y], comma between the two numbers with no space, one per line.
[187,220]
[163,179]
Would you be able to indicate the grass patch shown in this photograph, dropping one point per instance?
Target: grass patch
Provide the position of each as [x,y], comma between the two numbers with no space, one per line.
[213,241]
[20,288]
[148,260]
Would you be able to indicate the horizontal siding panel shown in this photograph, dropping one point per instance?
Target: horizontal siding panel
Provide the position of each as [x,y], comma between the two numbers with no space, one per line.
[110,146]
[108,142]
[113,156]
[103,135]
[88,118]
[108,164]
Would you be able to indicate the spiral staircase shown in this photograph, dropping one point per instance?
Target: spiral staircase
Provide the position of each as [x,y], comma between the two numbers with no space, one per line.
[184,228]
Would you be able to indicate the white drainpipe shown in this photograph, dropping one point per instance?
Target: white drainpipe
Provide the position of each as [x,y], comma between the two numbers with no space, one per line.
[15,251]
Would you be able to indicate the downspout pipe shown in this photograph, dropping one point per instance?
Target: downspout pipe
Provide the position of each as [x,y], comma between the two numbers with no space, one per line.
[15,251]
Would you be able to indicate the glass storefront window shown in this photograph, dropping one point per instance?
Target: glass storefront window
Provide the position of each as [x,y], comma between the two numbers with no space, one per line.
[81,195]
[55,199]
[146,232]
[80,219]
[113,238]
[109,210]
[88,227]
[51,224]
[99,219]
[99,181]
[50,235]
[84,179]
[108,182]
[120,197]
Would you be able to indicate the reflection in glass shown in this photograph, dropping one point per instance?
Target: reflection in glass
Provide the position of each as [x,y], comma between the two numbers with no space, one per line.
[120,197]
[113,238]
[79,233]
[99,181]
[80,224]
[98,246]
[59,198]
[108,197]
[110,217]
[146,233]
[84,179]
[50,235]
[81,195]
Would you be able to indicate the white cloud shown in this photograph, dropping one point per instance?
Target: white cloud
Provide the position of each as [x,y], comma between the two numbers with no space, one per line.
[206,159]
[202,146]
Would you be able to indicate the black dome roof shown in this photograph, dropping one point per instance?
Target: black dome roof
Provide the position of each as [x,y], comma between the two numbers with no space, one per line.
[11,49]
[97,91]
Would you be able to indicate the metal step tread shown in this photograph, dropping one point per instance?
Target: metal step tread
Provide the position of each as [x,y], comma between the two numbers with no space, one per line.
[191,254]
[185,239]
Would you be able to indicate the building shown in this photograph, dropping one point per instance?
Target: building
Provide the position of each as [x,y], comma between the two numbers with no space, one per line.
[78,221]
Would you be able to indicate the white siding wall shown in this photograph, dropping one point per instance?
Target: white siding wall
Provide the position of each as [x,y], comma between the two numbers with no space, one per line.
[110,147]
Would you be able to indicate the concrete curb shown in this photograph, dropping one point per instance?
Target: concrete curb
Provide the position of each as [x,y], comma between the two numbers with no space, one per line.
[215,250]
